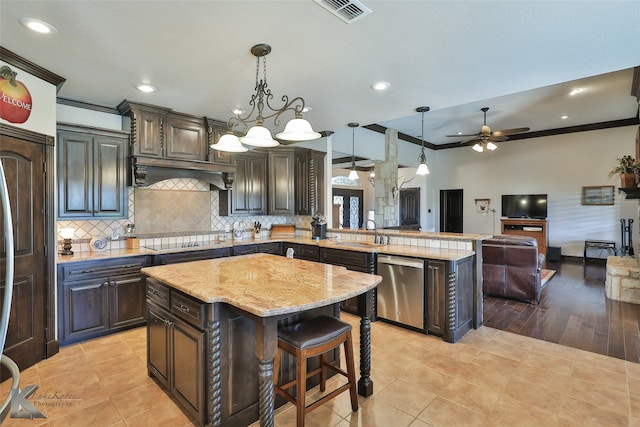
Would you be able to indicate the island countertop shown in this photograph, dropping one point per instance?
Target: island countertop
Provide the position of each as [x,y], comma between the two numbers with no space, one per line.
[263,284]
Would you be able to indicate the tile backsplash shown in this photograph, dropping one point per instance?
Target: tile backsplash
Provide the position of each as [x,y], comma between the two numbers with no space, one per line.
[179,204]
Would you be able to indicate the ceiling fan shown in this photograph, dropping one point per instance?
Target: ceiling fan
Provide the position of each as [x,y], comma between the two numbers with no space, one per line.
[485,139]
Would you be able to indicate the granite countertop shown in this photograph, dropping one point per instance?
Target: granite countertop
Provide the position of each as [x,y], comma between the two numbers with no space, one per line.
[264,284]
[403,250]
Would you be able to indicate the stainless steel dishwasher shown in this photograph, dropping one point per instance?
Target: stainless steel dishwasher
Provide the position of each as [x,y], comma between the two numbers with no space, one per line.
[401,292]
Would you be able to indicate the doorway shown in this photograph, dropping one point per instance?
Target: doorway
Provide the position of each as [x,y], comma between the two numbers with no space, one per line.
[349,205]
[410,208]
[28,187]
[451,213]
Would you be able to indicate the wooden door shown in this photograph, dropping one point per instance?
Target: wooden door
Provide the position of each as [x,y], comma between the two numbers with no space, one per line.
[451,211]
[23,163]
[410,207]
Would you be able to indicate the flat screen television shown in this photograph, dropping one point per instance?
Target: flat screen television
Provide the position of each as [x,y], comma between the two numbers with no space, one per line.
[524,206]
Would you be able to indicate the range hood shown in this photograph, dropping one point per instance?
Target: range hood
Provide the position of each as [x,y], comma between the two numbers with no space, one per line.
[144,171]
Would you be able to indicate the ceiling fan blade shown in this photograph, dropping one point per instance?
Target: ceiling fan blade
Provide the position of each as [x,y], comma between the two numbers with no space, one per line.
[463,135]
[497,138]
[509,131]
[474,138]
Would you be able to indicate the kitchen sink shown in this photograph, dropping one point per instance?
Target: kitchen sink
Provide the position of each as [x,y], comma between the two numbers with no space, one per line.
[358,244]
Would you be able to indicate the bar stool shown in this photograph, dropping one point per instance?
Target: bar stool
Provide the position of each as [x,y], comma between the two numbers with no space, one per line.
[312,338]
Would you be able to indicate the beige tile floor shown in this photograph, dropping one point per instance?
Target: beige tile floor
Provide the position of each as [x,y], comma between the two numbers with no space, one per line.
[489,378]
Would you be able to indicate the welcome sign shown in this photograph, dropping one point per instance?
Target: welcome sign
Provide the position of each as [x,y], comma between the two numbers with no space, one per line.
[15,98]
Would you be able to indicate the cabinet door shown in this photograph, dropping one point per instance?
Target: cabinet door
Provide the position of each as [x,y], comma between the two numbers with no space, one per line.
[215,130]
[158,344]
[109,183]
[248,194]
[187,362]
[85,311]
[281,186]
[148,128]
[436,297]
[126,301]
[309,183]
[75,174]
[316,183]
[185,137]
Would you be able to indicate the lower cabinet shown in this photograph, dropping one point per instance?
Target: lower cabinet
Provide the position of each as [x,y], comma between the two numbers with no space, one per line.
[204,354]
[100,297]
[197,255]
[175,355]
[308,252]
[364,262]
[449,298]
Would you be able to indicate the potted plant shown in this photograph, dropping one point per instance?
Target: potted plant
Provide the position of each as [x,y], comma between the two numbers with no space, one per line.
[627,167]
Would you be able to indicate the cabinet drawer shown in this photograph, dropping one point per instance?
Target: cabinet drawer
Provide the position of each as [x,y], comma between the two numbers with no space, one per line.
[157,293]
[188,309]
[353,260]
[164,259]
[274,248]
[246,249]
[311,253]
[103,268]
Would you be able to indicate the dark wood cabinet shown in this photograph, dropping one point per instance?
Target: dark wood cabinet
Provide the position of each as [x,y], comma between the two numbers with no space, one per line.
[308,252]
[100,297]
[215,130]
[184,336]
[186,137]
[196,255]
[176,347]
[364,262]
[248,195]
[309,182]
[449,298]
[274,248]
[435,282]
[281,193]
[163,133]
[91,171]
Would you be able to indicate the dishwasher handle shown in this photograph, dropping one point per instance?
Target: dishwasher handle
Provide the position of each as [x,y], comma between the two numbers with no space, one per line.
[396,260]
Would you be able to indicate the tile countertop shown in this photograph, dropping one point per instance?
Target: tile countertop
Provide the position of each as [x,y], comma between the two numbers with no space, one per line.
[393,249]
[263,284]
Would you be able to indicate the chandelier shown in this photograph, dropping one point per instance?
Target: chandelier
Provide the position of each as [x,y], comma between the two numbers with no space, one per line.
[297,129]
[423,169]
[353,175]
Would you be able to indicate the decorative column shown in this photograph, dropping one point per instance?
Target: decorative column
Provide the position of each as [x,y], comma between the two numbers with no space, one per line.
[387,182]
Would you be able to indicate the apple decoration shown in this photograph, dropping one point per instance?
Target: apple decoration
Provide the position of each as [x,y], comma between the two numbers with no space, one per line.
[15,99]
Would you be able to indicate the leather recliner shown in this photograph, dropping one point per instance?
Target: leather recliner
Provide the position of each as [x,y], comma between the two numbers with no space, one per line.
[511,267]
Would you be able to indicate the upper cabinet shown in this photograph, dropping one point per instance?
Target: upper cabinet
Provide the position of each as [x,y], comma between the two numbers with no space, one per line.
[309,182]
[91,173]
[161,132]
[281,182]
[248,195]
[215,129]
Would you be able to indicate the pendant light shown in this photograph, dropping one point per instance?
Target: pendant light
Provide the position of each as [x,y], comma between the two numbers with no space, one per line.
[423,169]
[353,174]
[297,129]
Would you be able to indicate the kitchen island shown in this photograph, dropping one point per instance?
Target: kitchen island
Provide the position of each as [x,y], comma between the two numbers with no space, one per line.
[208,309]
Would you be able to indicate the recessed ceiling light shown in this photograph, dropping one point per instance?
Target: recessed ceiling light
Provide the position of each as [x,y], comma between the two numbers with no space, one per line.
[237,111]
[575,91]
[38,26]
[380,86]
[565,117]
[146,88]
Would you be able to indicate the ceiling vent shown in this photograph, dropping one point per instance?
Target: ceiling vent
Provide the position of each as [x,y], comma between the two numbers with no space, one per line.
[347,10]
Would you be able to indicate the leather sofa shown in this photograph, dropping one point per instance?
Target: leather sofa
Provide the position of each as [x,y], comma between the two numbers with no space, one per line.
[511,267]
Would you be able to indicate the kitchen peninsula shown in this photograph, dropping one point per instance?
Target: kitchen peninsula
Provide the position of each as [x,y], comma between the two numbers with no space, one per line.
[223,314]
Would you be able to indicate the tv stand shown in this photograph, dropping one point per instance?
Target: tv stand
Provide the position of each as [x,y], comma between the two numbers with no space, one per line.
[527,227]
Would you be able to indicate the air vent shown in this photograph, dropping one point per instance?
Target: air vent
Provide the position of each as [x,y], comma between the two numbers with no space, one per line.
[347,10]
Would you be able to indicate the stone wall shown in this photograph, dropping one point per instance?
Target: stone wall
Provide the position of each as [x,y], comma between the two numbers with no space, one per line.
[623,279]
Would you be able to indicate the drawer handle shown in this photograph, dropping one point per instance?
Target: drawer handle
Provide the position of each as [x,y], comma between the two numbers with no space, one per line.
[154,292]
[182,308]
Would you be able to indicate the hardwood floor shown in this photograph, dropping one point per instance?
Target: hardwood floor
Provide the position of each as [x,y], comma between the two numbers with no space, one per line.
[574,312]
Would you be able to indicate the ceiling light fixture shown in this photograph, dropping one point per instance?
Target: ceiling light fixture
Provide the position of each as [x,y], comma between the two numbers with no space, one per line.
[146,88]
[38,26]
[380,86]
[297,129]
[353,175]
[565,117]
[423,169]
[575,91]
[481,146]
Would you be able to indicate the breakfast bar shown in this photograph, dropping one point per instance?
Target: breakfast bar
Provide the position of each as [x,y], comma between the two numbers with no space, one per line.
[209,310]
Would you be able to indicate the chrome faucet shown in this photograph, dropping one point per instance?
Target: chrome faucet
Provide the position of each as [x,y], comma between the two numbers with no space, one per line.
[375,230]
